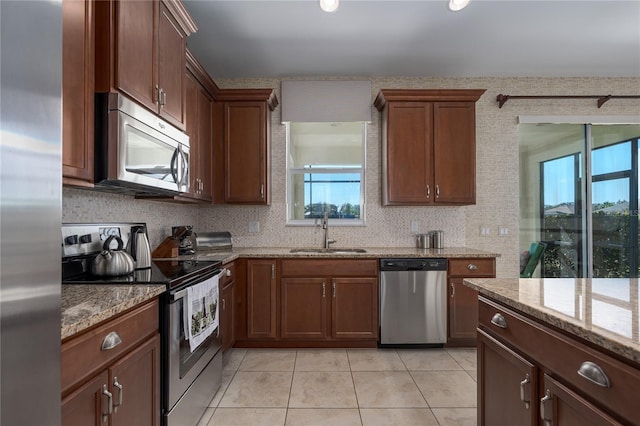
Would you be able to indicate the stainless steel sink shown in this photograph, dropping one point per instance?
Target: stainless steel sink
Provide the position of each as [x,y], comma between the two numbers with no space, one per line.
[329,250]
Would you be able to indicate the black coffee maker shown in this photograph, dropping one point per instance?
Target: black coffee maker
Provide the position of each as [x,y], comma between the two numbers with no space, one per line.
[187,238]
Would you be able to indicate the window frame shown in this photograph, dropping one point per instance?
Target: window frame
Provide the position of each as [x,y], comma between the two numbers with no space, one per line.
[292,171]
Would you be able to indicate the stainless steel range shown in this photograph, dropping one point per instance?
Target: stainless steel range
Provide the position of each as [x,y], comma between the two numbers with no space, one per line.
[191,362]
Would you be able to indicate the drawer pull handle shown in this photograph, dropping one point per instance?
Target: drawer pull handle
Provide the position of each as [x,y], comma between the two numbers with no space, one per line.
[498,320]
[594,373]
[111,341]
[109,410]
[120,392]
[472,267]
[525,392]
[546,408]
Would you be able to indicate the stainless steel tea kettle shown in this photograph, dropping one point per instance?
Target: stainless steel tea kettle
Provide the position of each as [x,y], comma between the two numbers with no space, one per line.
[138,247]
[112,263]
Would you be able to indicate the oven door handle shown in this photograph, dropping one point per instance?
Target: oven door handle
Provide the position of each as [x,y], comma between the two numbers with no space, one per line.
[180,294]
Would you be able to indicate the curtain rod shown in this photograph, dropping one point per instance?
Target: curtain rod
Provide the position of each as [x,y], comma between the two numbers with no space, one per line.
[502,99]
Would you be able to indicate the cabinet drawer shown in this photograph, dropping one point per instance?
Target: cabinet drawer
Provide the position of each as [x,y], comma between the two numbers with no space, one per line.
[329,267]
[562,356]
[83,355]
[229,276]
[472,267]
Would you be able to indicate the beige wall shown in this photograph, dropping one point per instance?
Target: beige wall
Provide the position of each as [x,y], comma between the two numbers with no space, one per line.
[497,174]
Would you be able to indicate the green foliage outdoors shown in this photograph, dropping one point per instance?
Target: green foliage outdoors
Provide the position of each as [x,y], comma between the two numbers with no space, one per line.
[612,244]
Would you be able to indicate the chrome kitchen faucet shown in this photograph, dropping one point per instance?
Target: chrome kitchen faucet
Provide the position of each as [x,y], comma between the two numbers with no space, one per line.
[325,225]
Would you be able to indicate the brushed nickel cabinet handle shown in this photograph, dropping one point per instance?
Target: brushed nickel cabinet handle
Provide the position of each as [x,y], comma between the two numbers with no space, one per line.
[120,393]
[437,191]
[453,290]
[525,391]
[546,409]
[105,392]
[498,320]
[472,267]
[273,270]
[323,291]
[428,191]
[111,341]
[262,191]
[594,373]
[333,289]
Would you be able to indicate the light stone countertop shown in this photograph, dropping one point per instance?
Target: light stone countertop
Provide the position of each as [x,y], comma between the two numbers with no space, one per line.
[603,311]
[86,305]
[371,252]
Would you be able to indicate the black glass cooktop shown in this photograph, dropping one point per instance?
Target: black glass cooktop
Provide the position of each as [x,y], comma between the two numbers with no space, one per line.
[173,273]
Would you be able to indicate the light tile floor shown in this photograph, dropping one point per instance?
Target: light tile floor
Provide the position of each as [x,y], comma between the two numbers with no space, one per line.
[364,387]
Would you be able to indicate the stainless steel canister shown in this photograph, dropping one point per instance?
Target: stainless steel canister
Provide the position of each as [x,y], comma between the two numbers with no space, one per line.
[424,241]
[437,239]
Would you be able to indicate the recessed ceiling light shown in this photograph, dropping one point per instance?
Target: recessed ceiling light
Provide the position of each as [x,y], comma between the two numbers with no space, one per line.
[330,5]
[456,5]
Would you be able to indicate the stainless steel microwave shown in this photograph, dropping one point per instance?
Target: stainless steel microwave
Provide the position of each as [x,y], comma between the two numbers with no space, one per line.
[136,151]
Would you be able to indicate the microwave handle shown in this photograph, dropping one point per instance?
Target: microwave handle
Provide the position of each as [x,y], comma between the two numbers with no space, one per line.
[184,169]
[174,171]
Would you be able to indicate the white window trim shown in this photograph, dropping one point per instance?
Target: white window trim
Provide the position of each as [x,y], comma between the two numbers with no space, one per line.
[332,222]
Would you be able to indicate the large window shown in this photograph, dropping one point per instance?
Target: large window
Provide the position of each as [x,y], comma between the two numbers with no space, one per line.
[325,172]
[587,213]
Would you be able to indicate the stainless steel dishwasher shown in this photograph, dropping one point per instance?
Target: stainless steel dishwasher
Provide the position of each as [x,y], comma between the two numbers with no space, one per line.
[413,302]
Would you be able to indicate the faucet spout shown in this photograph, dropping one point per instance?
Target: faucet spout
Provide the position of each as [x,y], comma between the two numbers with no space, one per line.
[325,225]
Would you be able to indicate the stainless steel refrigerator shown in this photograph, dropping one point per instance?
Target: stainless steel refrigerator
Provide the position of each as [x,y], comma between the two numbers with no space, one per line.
[30,211]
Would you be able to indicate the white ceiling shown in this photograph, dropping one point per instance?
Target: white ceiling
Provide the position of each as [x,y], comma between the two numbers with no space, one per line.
[570,38]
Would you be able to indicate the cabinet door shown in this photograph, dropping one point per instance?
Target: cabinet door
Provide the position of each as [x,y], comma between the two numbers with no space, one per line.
[408,154]
[507,384]
[135,384]
[246,152]
[304,308]
[454,151]
[87,405]
[205,143]
[171,64]
[78,84]
[354,310]
[135,50]
[562,406]
[261,299]
[191,123]
[227,322]
[463,312]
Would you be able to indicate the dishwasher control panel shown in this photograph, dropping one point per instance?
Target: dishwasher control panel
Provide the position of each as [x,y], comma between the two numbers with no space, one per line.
[414,264]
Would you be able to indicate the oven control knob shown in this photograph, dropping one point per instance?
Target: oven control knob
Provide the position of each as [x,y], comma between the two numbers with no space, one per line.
[71,240]
[84,239]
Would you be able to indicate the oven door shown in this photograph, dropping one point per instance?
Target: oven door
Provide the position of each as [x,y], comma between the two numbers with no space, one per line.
[184,366]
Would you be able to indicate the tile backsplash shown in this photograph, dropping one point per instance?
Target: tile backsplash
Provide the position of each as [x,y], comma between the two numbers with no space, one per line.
[83,206]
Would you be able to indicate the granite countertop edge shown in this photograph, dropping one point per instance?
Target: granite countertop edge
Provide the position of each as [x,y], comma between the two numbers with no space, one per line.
[84,306]
[617,344]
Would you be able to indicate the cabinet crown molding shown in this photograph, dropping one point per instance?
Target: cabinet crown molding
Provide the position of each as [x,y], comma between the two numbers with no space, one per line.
[182,16]
[426,95]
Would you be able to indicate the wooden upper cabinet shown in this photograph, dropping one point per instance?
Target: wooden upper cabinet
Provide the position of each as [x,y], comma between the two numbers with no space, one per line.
[246,144]
[140,49]
[199,127]
[78,83]
[428,146]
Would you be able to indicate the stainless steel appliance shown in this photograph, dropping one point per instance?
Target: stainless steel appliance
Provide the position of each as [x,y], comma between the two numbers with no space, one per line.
[413,304]
[189,379]
[138,247]
[137,152]
[30,207]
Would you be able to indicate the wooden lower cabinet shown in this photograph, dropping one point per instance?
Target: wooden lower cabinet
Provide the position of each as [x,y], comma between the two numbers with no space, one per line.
[304,308]
[118,386]
[354,313]
[308,303]
[528,374]
[227,308]
[261,293]
[462,301]
[508,398]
